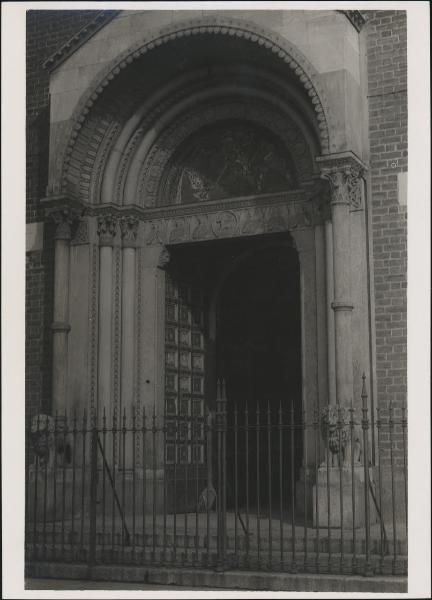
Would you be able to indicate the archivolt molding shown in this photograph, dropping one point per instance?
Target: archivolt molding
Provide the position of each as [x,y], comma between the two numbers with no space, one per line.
[269,40]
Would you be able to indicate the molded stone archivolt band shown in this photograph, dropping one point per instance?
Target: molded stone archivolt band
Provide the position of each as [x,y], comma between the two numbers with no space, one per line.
[211,25]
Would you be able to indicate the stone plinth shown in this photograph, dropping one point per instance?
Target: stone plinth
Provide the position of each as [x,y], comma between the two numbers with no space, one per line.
[333,483]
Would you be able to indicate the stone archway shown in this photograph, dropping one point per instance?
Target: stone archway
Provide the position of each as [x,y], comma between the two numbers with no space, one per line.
[95,115]
[113,227]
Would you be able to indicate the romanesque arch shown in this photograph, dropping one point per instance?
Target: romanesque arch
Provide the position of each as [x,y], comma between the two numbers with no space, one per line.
[110,123]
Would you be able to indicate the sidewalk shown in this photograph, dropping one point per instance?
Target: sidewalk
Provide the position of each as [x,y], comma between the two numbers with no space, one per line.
[78,584]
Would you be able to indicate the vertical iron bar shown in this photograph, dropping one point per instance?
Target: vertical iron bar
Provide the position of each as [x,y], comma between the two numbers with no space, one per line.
[258,482]
[281,532]
[35,498]
[144,482]
[104,431]
[224,474]
[134,482]
[54,531]
[74,438]
[93,492]
[383,548]
[195,462]
[269,466]
[27,484]
[154,430]
[45,490]
[123,540]
[329,547]
[221,497]
[391,428]
[165,483]
[405,468]
[219,477]
[305,462]
[83,475]
[113,441]
[186,483]
[365,426]
[354,557]
[174,552]
[236,506]
[317,457]
[293,536]
[340,424]
[65,431]
[209,479]
[247,481]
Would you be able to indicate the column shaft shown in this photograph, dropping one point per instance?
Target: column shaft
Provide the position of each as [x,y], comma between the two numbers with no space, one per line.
[331,362]
[128,330]
[60,326]
[342,304]
[105,329]
[343,172]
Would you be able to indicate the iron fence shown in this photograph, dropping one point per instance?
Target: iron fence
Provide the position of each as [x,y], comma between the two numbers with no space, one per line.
[262,489]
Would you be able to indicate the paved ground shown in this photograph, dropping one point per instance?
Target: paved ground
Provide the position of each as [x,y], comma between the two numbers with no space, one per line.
[76,584]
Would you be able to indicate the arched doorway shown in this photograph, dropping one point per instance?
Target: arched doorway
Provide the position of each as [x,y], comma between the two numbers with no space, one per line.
[244,305]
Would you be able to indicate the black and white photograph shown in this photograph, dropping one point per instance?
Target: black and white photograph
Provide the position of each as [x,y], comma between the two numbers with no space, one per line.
[214,394]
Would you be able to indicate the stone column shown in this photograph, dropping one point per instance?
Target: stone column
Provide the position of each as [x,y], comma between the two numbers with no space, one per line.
[63,219]
[129,228]
[343,175]
[339,480]
[331,361]
[107,226]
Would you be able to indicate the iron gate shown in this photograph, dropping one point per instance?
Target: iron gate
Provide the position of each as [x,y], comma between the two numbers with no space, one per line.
[259,490]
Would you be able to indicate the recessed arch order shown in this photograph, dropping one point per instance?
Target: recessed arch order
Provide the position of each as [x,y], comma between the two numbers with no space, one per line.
[116,125]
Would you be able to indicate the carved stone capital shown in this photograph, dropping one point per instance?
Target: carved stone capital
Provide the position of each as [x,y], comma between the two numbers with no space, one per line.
[344,173]
[129,230]
[107,229]
[64,218]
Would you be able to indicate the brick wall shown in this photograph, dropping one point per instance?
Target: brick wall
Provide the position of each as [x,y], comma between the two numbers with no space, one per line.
[387,97]
[46,31]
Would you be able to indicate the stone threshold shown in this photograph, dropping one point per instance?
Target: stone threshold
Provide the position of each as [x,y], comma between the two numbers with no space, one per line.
[230,580]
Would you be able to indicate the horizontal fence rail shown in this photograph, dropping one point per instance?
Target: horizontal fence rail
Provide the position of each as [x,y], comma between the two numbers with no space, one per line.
[260,488]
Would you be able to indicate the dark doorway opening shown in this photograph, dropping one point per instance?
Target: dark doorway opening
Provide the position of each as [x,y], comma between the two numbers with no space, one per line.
[258,339]
[252,331]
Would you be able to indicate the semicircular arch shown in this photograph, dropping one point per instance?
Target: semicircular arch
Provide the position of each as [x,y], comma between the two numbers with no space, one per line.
[248,32]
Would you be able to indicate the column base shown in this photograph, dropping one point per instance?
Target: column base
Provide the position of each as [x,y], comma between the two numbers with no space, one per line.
[339,498]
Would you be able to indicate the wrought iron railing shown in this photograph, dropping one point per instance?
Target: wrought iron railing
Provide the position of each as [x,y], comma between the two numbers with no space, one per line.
[262,489]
